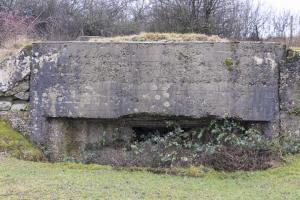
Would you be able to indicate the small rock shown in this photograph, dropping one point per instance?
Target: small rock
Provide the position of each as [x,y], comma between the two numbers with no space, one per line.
[14,69]
[5,105]
[19,107]
[22,95]
[20,87]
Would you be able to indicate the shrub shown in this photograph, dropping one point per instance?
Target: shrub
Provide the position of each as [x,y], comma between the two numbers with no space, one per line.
[289,145]
[12,26]
[223,145]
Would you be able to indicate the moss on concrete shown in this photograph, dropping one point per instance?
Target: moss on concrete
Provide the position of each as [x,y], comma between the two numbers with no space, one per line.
[17,145]
[295,111]
[229,63]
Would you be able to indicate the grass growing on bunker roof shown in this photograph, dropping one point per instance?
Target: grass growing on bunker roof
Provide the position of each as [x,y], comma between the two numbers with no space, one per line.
[144,37]
[293,54]
[16,145]
[297,49]
[12,47]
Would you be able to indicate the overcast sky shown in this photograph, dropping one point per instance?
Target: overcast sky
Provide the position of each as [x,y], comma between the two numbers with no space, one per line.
[293,5]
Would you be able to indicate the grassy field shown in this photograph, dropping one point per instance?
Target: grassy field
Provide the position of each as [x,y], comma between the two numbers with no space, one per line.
[29,180]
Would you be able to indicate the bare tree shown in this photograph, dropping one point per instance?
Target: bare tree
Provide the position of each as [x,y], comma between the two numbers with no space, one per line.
[281,23]
[68,19]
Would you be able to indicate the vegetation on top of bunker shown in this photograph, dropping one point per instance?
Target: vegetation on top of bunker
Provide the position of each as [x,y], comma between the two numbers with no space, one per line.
[12,47]
[293,54]
[148,36]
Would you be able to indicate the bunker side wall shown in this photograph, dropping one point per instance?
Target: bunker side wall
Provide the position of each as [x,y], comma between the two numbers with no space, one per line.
[290,99]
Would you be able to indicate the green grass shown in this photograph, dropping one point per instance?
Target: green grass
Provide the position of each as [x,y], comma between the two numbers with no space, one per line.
[17,145]
[29,180]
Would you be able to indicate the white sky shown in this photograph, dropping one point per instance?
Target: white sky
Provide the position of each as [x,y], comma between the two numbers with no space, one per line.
[293,5]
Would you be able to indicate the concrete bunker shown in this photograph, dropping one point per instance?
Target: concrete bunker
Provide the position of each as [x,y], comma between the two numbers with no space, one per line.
[85,94]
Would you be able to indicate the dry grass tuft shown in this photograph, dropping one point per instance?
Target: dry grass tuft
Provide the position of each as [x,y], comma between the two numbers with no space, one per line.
[13,46]
[166,37]
[297,49]
[292,44]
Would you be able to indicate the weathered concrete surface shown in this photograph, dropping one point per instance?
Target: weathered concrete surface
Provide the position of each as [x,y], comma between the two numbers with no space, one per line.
[83,80]
[290,99]
[78,138]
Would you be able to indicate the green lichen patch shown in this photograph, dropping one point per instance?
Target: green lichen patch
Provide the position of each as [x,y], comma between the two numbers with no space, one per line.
[295,111]
[229,63]
[16,145]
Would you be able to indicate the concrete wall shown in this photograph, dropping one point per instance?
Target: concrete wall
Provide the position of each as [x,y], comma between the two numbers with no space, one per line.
[290,98]
[194,80]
